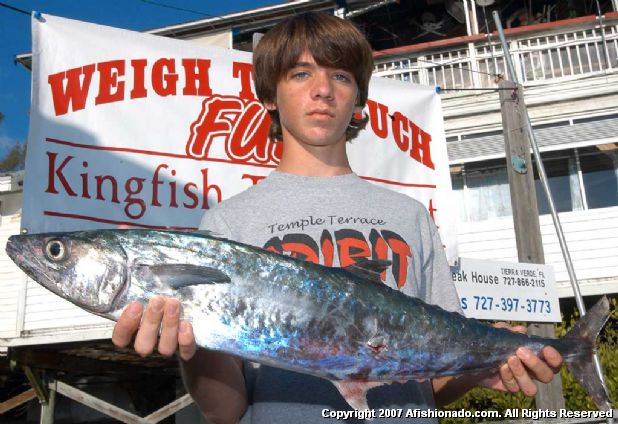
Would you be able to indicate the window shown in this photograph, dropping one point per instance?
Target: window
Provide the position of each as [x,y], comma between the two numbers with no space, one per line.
[579,179]
[458,190]
[561,171]
[488,195]
[599,165]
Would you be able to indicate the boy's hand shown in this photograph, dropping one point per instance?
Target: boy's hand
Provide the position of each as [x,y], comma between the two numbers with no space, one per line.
[520,370]
[161,314]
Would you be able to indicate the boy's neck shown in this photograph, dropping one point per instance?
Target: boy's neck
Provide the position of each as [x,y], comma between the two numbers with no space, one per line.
[322,161]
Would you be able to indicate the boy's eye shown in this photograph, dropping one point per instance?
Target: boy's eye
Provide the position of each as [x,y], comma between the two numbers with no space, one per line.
[342,77]
[300,75]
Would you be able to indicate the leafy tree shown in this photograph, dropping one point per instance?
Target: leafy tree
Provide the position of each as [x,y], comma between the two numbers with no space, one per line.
[15,159]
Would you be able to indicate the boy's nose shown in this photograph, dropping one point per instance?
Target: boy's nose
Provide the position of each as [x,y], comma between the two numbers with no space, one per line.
[322,86]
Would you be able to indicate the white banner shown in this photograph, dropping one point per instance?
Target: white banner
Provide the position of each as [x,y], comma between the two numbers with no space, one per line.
[132,129]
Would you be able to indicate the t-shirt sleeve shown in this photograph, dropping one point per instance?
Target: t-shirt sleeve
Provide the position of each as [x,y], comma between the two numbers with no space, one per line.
[442,291]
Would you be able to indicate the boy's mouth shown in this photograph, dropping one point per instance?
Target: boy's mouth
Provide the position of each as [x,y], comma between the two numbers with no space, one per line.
[321,112]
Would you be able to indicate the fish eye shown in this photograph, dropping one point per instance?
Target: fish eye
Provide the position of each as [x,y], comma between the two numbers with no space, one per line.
[55,250]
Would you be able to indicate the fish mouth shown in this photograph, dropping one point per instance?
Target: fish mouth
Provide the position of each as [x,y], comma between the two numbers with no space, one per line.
[20,249]
[13,251]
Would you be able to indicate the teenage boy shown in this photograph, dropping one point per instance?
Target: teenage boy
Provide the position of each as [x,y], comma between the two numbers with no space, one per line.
[312,74]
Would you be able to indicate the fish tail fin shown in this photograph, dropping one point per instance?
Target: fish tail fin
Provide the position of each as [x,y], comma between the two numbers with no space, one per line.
[584,367]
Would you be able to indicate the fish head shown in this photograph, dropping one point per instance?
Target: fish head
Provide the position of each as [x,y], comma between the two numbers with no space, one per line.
[86,268]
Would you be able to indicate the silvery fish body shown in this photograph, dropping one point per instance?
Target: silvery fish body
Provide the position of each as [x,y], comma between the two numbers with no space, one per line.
[339,324]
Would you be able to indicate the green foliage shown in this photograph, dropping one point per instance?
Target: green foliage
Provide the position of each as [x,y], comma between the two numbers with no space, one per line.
[575,397]
[14,160]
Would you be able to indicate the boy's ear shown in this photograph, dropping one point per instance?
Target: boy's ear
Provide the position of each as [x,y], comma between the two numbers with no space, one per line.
[270,106]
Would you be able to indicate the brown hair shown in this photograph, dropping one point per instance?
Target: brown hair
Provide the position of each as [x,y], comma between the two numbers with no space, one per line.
[333,43]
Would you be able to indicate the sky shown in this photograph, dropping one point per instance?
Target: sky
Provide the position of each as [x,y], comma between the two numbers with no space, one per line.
[137,15]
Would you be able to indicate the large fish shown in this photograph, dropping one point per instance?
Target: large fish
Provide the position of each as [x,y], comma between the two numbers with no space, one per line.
[338,324]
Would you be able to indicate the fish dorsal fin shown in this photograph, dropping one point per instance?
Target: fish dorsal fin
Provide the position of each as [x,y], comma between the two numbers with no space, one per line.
[182,275]
[369,269]
[355,392]
[207,233]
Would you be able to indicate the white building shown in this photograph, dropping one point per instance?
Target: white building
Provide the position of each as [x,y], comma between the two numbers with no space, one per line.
[570,77]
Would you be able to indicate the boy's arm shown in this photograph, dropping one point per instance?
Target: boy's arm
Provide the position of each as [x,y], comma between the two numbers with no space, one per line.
[214,380]
[216,384]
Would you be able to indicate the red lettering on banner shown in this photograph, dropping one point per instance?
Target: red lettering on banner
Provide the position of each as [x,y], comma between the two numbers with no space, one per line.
[190,194]
[156,182]
[64,180]
[130,200]
[408,136]
[110,89]
[378,117]
[53,172]
[74,92]
[244,71]
[164,77]
[100,179]
[206,188]
[431,209]
[400,130]
[420,147]
[216,119]
[84,175]
[249,137]
[70,88]
[192,77]
[139,89]
[254,178]
[242,127]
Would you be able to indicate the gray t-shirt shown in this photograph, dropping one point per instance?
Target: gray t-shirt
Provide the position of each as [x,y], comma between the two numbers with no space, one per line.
[336,221]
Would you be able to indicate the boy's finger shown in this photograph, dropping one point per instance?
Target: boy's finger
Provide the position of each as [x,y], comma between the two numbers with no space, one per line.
[186,341]
[147,335]
[168,340]
[127,325]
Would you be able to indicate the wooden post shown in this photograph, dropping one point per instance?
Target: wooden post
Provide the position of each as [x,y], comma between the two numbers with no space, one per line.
[48,409]
[525,212]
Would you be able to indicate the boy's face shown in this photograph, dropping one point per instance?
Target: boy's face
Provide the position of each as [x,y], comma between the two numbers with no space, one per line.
[315,103]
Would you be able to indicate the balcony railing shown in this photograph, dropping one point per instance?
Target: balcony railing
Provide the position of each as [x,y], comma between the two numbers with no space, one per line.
[558,50]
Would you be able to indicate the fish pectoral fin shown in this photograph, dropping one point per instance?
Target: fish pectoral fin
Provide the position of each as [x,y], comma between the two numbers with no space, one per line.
[368,269]
[182,275]
[355,392]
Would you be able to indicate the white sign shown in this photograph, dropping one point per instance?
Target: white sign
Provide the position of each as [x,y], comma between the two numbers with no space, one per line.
[507,290]
[136,130]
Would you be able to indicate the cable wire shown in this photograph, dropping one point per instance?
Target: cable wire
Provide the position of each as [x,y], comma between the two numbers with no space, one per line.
[15,9]
[154,3]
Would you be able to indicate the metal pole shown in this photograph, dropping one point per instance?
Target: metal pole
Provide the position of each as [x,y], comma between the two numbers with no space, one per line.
[475,22]
[467,15]
[608,61]
[543,176]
